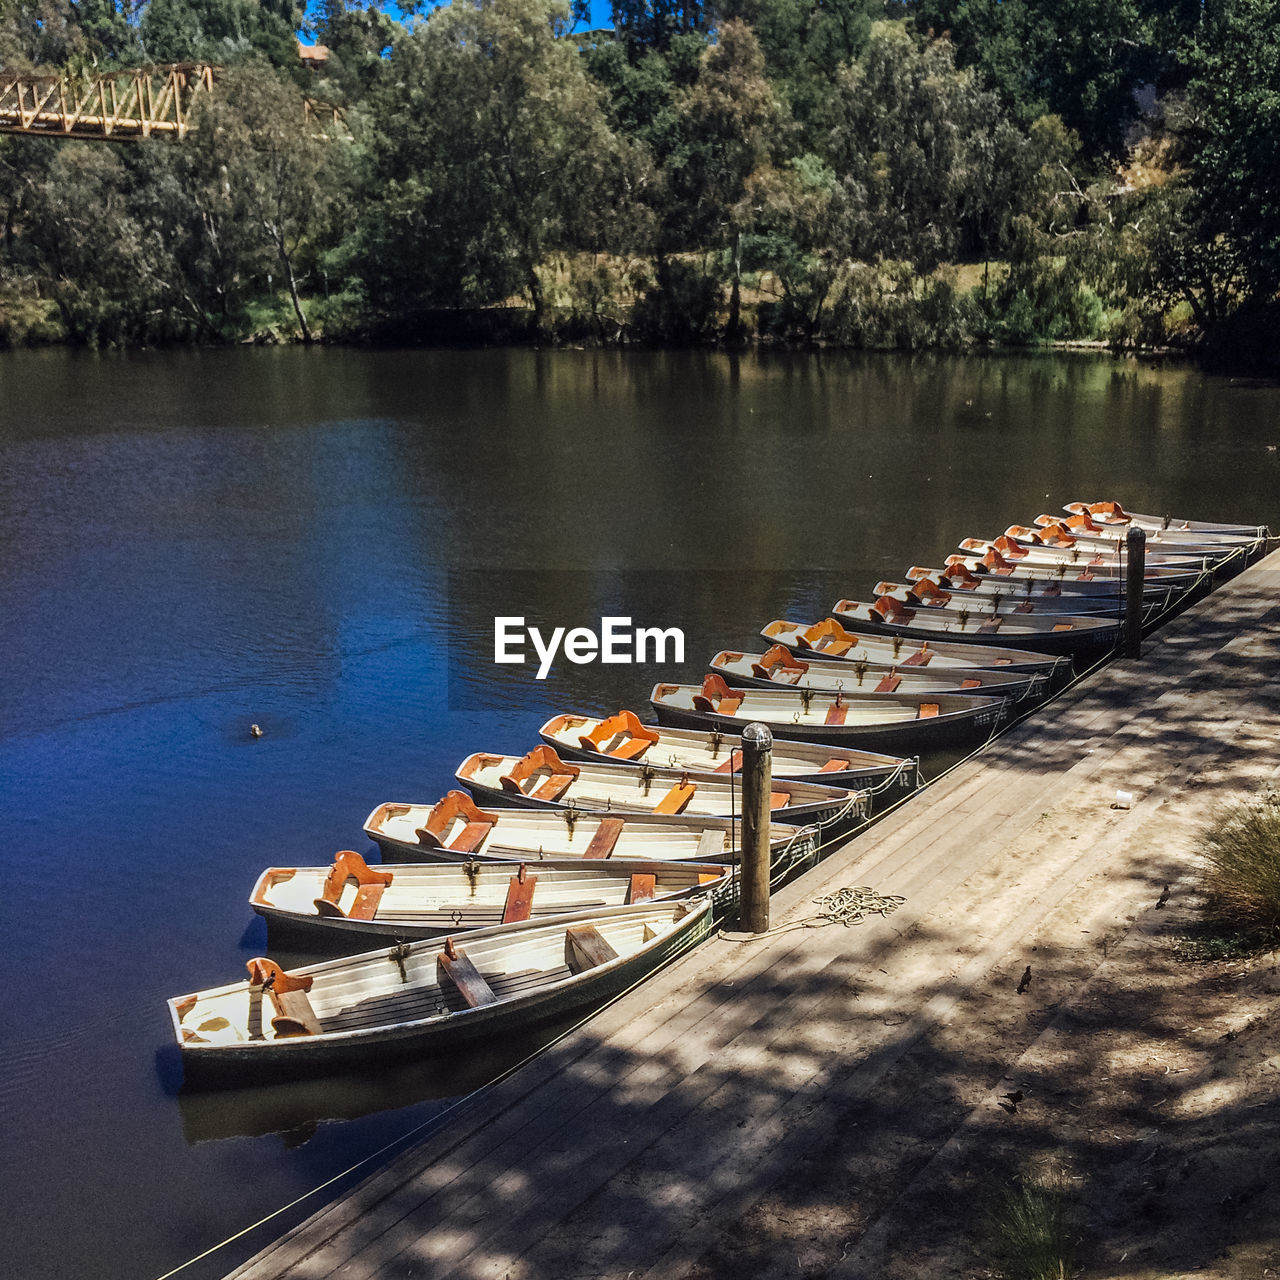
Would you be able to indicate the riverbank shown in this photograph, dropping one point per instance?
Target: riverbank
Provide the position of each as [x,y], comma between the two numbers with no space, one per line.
[518,327]
[829,1100]
[683,303]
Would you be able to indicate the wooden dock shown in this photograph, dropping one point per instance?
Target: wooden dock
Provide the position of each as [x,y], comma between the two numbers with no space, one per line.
[763,1107]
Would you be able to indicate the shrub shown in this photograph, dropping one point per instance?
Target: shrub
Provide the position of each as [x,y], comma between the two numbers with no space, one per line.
[1028,1228]
[1240,874]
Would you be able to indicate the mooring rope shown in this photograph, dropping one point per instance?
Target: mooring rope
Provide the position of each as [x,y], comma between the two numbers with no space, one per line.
[846,906]
[852,906]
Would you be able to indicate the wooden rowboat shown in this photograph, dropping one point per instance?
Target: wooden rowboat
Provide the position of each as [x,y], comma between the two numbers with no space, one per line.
[542,779]
[779,668]
[423,996]
[622,739]
[1077,530]
[830,640]
[354,901]
[1112,513]
[899,722]
[924,593]
[1047,633]
[1064,570]
[1031,551]
[960,580]
[456,830]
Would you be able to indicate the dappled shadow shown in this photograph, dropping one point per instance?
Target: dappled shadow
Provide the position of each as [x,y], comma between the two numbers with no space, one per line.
[776,1149]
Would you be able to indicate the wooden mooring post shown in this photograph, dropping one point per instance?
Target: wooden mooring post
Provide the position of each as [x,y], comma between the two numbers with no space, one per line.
[757,784]
[1135,577]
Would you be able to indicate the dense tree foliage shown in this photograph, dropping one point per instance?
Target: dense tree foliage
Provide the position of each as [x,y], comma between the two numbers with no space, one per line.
[850,171]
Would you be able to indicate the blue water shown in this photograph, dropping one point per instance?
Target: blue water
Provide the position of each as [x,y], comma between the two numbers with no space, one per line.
[318,542]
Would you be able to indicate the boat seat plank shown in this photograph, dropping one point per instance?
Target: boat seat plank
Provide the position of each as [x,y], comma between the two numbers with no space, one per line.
[971,684]
[732,764]
[367,899]
[481,917]
[644,887]
[889,684]
[836,648]
[587,946]
[519,904]
[837,712]
[554,787]
[466,977]
[295,1015]
[471,837]
[460,917]
[677,799]
[711,844]
[778,800]
[728,706]
[835,766]
[416,1002]
[631,749]
[605,839]
[928,710]
[991,625]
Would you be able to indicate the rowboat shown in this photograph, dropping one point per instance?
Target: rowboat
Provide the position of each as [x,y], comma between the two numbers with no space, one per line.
[924,593]
[543,780]
[896,721]
[424,996]
[1045,633]
[1112,513]
[830,640]
[958,579]
[1085,526]
[1112,576]
[456,830]
[1057,531]
[780,668]
[1069,557]
[622,739]
[353,901]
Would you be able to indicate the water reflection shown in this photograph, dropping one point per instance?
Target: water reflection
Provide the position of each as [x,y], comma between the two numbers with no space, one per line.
[296,1109]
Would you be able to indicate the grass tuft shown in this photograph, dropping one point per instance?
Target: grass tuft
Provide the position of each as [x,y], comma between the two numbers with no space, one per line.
[1028,1229]
[1240,874]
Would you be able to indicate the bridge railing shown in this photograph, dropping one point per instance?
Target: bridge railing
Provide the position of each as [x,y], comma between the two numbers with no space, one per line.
[149,102]
[142,103]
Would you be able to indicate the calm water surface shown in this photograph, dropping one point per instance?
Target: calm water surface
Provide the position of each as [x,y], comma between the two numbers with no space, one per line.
[318,542]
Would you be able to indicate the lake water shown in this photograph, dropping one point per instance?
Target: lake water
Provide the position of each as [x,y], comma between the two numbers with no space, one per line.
[318,542]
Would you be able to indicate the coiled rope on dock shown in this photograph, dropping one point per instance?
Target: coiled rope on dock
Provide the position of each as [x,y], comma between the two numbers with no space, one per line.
[852,906]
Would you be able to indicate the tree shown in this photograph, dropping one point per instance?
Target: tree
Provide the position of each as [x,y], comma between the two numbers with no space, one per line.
[88,246]
[251,152]
[1079,59]
[1232,143]
[61,33]
[805,43]
[733,123]
[223,31]
[642,25]
[491,151]
[928,165]
[358,38]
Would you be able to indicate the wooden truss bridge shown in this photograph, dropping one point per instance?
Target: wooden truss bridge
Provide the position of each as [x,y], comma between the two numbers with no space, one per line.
[147,102]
